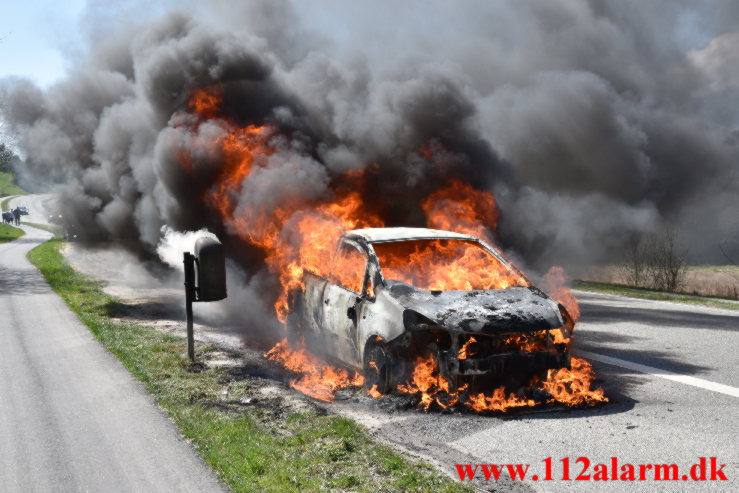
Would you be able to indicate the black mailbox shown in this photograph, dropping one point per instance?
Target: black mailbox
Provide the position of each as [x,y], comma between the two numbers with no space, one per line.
[211,269]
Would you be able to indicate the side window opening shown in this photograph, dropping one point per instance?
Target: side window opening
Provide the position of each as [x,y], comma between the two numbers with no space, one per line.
[349,268]
[370,288]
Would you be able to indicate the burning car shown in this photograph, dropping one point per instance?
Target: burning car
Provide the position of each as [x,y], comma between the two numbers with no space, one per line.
[396,294]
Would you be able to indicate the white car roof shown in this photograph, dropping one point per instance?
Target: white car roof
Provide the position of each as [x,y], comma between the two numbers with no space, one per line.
[379,235]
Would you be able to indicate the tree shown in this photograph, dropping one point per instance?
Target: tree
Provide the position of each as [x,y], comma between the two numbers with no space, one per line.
[655,261]
[7,156]
[634,265]
[669,261]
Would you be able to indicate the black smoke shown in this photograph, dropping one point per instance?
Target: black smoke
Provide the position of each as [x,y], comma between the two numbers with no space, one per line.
[590,120]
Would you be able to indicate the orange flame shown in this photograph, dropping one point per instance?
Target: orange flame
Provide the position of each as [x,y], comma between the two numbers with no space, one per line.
[206,103]
[314,228]
[374,392]
[559,337]
[428,382]
[497,401]
[555,286]
[464,350]
[241,149]
[572,387]
[459,207]
[569,387]
[445,265]
[317,379]
[527,342]
[299,236]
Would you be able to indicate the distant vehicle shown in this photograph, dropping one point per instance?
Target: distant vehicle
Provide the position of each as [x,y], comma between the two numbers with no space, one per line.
[24,210]
[381,306]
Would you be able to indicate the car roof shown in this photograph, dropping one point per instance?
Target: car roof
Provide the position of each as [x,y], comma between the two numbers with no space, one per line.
[380,235]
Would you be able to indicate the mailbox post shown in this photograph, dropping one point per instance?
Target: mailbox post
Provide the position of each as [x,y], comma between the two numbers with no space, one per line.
[205,280]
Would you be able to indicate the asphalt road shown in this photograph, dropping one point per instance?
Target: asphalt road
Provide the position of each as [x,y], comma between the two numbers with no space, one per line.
[671,372]
[72,418]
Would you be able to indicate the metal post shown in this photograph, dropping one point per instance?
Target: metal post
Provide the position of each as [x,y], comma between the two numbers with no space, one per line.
[189,261]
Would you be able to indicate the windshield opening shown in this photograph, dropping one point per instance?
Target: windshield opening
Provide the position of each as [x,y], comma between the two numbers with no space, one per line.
[445,265]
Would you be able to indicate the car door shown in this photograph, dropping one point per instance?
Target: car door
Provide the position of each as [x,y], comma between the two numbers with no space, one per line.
[341,298]
[311,306]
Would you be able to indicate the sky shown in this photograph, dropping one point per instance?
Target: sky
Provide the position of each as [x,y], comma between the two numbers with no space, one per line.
[36,35]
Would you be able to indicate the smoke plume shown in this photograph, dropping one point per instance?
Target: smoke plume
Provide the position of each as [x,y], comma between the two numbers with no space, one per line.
[589,120]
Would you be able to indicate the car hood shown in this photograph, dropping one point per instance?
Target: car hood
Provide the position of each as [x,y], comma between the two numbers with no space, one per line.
[515,309]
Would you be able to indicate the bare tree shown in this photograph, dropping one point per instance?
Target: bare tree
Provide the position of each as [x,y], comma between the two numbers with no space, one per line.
[633,267]
[655,261]
[669,262]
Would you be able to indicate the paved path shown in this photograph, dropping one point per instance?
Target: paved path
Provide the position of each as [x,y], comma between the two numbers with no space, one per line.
[72,418]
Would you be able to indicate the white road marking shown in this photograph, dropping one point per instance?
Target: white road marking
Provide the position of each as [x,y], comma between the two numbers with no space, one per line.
[657,372]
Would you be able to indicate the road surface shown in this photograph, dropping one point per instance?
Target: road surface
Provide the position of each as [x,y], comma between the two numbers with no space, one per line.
[671,372]
[72,418]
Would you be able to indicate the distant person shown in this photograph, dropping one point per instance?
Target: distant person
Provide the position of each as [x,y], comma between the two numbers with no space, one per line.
[17,216]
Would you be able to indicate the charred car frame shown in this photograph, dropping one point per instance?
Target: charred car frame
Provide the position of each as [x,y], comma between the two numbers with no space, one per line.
[366,320]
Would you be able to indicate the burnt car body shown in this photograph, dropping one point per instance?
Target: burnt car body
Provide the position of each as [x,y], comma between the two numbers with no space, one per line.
[379,325]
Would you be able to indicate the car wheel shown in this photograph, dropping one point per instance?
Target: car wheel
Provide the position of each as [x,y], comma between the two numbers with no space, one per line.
[378,368]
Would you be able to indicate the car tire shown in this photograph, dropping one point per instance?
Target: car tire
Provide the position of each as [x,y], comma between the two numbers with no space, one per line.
[378,368]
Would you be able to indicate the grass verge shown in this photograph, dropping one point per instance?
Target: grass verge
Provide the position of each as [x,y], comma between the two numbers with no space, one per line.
[252,448]
[4,204]
[9,233]
[618,289]
[7,187]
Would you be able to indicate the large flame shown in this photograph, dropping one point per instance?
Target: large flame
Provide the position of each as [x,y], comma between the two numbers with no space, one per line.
[459,207]
[444,265]
[428,383]
[317,379]
[555,285]
[569,387]
[314,227]
[573,387]
[300,235]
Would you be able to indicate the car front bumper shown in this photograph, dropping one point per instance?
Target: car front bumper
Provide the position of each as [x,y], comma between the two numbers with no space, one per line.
[503,363]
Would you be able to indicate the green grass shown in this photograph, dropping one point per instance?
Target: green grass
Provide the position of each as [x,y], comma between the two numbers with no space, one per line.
[255,448]
[8,187]
[621,290]
[9,233]
[4,204]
